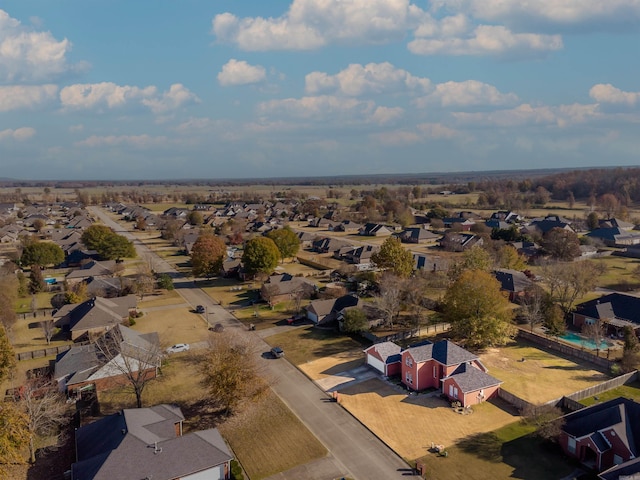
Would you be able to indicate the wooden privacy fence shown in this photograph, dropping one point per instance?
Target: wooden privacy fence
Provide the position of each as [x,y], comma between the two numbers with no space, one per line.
[565,349]
[46,352]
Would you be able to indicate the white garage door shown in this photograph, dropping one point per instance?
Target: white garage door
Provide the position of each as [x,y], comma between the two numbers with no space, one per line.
[375,363]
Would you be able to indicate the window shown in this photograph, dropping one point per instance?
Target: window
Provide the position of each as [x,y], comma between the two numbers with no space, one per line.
[409,378]
[435,374]
[571,445]
[409,362]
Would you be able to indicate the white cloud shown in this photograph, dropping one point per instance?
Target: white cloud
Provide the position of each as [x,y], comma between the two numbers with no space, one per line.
[596,14]
[136,141]
[177,96]
[525,114]
[386,115]
[607,93]
[14,97]
[109,95]
[27,55]
[318,108]
[491,40]
[436,130]
[19,134]
[239,72]
[465,94]
[310,24]
[423,132]
[373,78]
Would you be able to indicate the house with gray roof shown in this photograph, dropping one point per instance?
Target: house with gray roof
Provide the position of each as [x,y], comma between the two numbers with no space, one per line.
[513,282]
[614,310]
[418,235]
[91,269]
[444,365]
[281,288]
[149,443]
[604,437]
[323,312]
[94,316]
[106,363]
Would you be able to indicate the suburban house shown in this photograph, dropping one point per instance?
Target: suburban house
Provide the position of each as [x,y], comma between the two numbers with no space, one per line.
[358,256]
[459,242]
[433,263]
[464,224]
[444,365]
[102,365]
[323,312]
[615,237]
[148,443]
[385,357]
[418,235]
[506,216]
[329,245]
[375,230]
[615,223]
[91,269]
[615,310]
[605,436]
[540,226]
[285,287]
[513,282]
[94,316]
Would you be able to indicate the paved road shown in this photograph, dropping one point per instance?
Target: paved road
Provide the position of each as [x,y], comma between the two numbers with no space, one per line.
[355,450]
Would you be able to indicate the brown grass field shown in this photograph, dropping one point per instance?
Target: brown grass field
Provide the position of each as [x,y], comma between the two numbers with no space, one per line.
[304,345]
[268,438]
[174,325]
[161,298]
[409,423]
[543,376]
[26,334]
[333,364]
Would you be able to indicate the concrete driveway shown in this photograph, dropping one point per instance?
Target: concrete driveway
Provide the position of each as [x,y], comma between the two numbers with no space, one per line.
[348,378]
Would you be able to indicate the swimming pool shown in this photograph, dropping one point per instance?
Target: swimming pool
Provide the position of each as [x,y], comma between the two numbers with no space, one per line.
[584,342]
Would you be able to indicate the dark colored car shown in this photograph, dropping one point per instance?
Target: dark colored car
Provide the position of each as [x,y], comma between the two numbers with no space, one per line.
[277,352]
[200,309]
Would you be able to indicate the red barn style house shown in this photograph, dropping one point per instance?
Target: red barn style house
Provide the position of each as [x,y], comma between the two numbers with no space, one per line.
[442,365]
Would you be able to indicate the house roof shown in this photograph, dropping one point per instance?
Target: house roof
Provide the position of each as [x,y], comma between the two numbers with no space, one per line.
[627,471]
[386,350]
[443,351]
[332,305]
[620,414]
[93,269]
[142,443]
[471,379]
[620,307]
[512,280]
[287,283]
[97,312]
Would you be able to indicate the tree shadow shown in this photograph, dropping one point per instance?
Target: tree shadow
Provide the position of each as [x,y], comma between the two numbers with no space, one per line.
[486,446]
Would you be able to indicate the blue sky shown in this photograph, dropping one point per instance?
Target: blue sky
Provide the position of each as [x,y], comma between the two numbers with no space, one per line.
[183,89]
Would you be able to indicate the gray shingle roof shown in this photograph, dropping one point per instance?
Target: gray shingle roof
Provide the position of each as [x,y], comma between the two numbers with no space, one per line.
[443,351]
[123,446]
[472,379]
[386,349]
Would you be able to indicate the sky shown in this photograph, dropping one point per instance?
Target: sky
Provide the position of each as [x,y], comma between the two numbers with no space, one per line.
[217,89]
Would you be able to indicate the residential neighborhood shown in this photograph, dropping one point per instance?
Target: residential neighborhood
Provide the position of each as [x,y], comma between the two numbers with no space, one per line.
[124,336]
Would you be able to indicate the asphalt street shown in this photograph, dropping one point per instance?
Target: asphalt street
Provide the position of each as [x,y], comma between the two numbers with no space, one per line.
[355,450]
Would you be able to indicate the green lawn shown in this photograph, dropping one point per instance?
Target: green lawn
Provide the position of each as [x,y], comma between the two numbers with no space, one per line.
[513,451]
[631,390]
[303,345]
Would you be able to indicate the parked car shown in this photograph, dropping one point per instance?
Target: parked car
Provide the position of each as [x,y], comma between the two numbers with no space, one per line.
[277,352]
[178,347]
[200,309]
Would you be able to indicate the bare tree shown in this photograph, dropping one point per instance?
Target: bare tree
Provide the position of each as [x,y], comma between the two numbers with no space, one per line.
[46,412]
[48,330]
[414,295]
[389,300]
[595,333]
[533,305]
[144,281]
[569,282]
[230,371]
[136,359]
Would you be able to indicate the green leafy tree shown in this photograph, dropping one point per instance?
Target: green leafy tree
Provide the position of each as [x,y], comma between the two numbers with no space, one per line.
[165,281]
[592,221]
[260,256]
[475,258]
[394,258]
[116,248]
[42,253]
[554,321]
[286,240]
[195,218]
[95,235]
[355,321]
[508,257]
[561,244]
[36,280]
[479,313]
[207,255]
